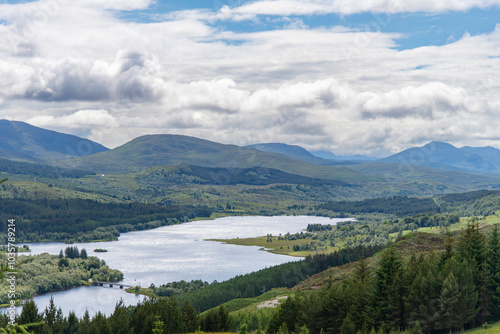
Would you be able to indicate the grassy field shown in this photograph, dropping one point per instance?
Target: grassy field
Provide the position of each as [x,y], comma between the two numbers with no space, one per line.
[494,329]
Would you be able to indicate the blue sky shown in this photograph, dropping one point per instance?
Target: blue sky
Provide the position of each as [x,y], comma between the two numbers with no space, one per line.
[369,77]
[418,29]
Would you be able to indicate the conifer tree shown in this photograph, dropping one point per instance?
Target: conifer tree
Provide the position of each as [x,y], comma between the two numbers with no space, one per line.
[189,317]
[72,324]
[29,314]
[387,306]
[85,325]
[119,320]
[494,266]
[100,324]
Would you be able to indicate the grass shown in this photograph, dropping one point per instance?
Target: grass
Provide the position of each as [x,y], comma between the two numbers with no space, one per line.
[494,329]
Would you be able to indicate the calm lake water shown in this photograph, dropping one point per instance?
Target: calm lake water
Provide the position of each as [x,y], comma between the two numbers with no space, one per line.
[174,253]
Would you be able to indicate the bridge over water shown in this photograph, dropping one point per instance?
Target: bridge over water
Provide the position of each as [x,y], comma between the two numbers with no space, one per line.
[111,285]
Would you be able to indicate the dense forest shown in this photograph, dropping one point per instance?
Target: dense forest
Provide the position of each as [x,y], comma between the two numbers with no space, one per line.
[430,293]
[398,205]
[86,220]
[25,168]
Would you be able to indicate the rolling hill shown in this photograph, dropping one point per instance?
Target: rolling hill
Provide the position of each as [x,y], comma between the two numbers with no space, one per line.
[158,150]
[25,142]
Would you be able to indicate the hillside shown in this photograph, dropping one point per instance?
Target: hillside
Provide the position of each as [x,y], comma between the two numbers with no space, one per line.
[22,141]
[159,150]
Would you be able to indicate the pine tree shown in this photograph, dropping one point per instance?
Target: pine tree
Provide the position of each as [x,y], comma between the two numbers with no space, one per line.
[100,324]
[348,326]
[85,325]
[119,320]
[72,325]
[387,306]
[189,317]
[29,313]
[494,267]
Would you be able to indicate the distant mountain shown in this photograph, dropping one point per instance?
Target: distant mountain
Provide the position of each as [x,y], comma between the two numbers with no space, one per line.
[158,150]
[22,141]
[483,160]
[293,151]
[296,152]
[330,156]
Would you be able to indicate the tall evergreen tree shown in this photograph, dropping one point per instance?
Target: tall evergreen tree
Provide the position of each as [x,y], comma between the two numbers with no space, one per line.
[190,320]
[494,266]
[387,306]
[120,320]
[29,314]
[100,324]
[72,324]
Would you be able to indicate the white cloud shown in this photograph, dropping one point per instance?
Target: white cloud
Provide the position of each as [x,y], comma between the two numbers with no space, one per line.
[333,87]
[87,119]
[347,7]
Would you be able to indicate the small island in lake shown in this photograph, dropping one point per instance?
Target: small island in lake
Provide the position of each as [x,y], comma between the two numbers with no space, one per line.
[100,250]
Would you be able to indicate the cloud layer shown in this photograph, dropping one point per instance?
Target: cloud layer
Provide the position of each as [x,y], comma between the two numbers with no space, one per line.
[79,68]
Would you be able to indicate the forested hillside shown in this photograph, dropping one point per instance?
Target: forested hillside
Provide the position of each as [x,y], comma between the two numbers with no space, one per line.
[86,220]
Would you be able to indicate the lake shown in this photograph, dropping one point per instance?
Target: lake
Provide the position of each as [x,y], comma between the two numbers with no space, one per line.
[174,253]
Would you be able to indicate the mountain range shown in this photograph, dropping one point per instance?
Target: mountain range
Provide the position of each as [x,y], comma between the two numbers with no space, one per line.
[436,154]
[23,142]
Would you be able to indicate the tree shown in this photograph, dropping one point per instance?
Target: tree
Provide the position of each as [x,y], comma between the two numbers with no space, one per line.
[494,267]
[189,317]
[85,325]
[348,326]
[83,254]
[158,325]
[29,313]
[71,325]
[119,320]
[100,324]
[458,299]
[387,306]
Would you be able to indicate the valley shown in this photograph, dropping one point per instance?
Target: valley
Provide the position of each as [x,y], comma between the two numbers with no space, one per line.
[353,212]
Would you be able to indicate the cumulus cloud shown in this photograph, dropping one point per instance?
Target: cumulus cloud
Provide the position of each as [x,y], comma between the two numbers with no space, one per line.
[332,88]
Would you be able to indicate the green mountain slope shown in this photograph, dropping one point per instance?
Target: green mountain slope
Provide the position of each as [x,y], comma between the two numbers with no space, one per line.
[22,141]
[159,150]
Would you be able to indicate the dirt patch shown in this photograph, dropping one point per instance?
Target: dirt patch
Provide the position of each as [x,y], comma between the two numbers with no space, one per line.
[272,303]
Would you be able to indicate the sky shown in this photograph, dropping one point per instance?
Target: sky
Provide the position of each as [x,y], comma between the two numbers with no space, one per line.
[367,77]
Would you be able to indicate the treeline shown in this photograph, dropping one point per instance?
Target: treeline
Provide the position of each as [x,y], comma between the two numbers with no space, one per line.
[398,205]
[175,288]
[318,227]
[26,168]
[434,293]
[284,275]
[86,220]
[159,316]
[475,203]
[73,253]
